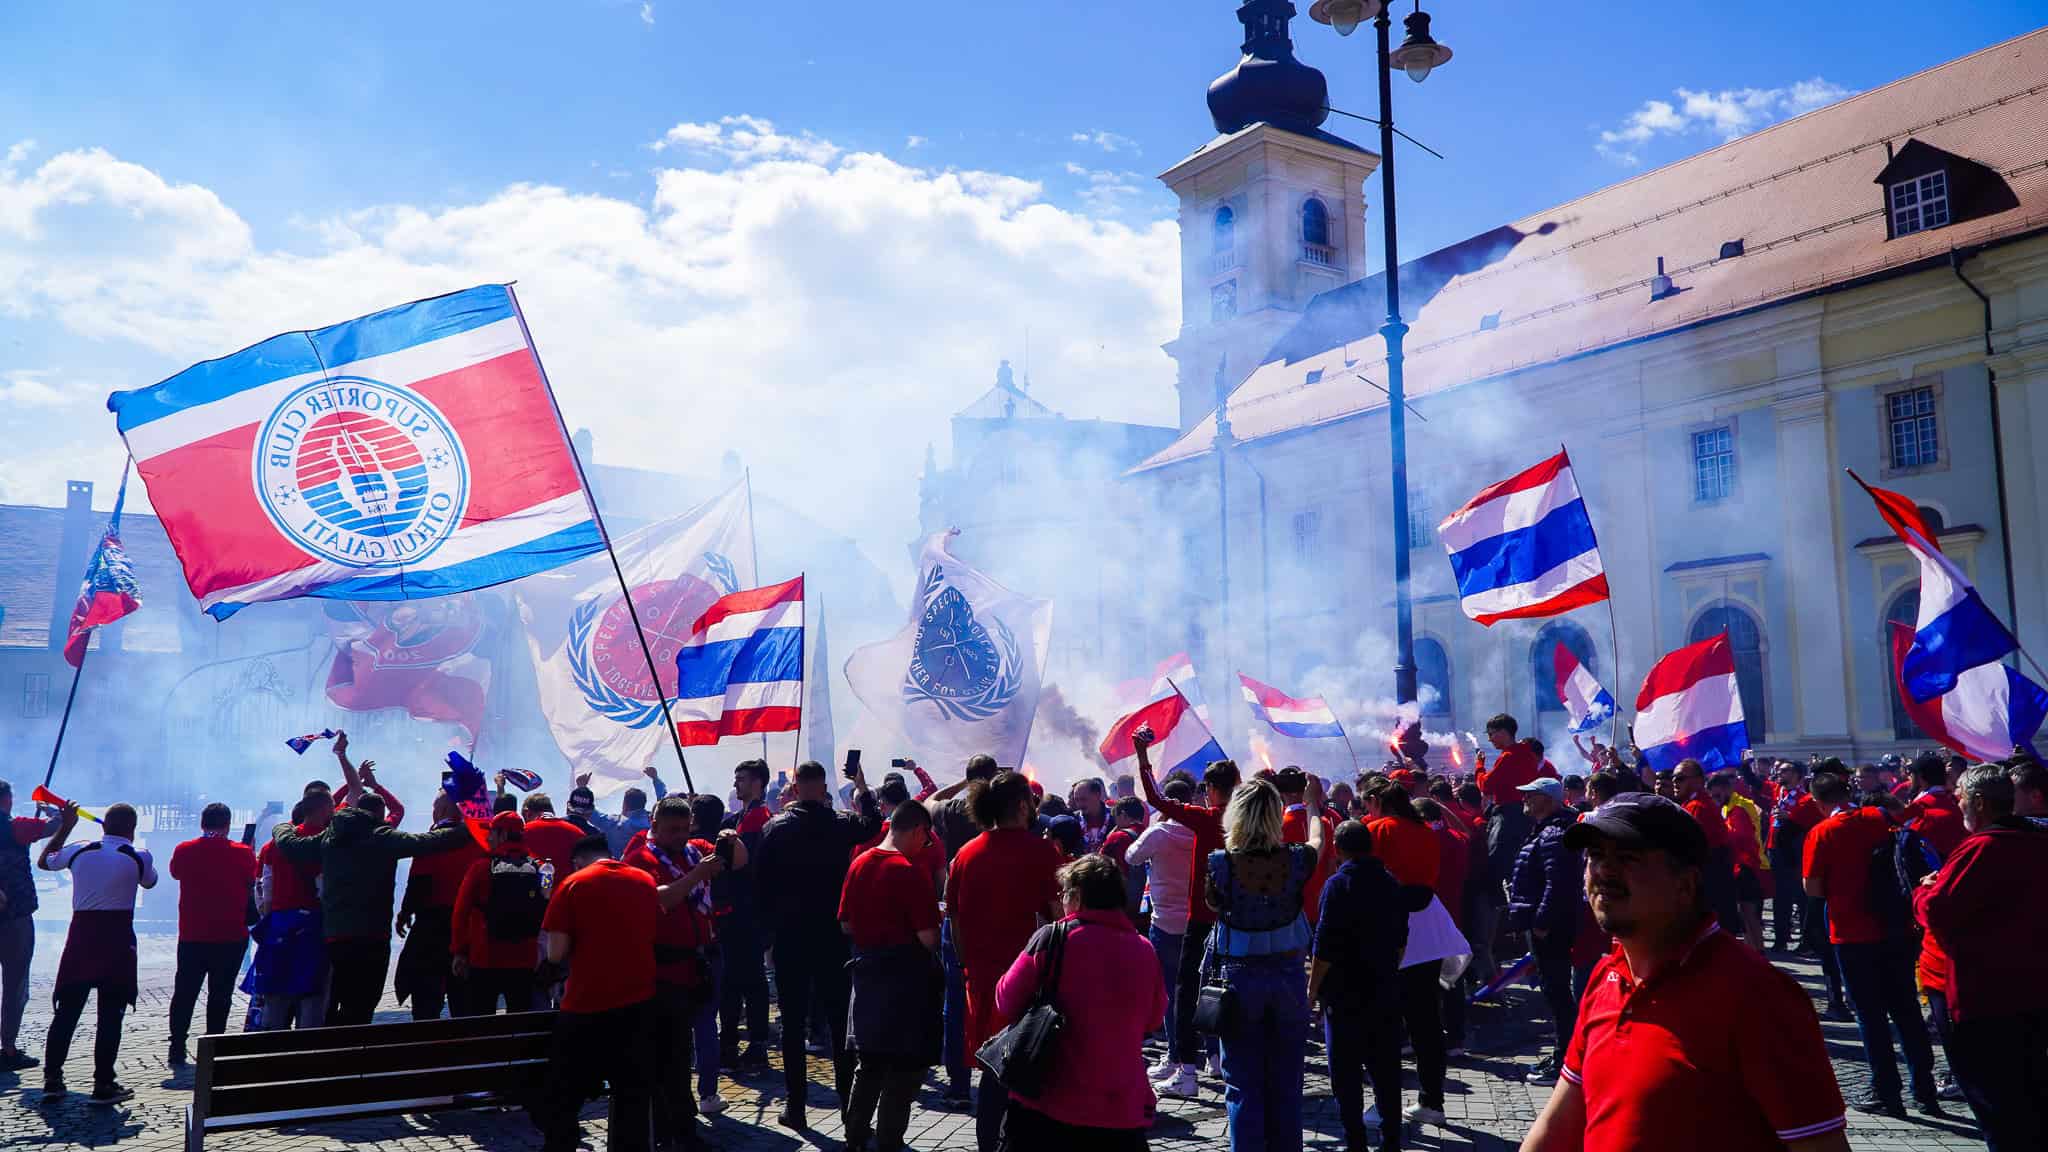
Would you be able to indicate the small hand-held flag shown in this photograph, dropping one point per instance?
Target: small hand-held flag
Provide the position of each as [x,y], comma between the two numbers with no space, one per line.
[1524,547]
[1585,700]
[108,591]
[523,779]
[299,744]
[1308,718]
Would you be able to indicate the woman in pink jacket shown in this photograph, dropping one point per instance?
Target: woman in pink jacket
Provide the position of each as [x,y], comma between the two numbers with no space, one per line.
[1112,997]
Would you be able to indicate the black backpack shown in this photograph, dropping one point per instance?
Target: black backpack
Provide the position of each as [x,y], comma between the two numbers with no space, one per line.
[516,904]
[1897,865]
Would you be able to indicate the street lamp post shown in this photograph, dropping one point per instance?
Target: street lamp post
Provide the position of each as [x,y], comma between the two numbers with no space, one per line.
[1417,55]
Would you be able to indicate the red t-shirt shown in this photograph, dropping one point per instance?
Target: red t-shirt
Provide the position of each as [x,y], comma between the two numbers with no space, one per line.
[887,900]
[27,829]
[608,912]
[1454,864]
[214,875]
[1677,1063]
[443,872]
[681,927]
[554,841]
[1742,842]
[469,934]
[1938,820]
[1409,849]
[1517,766]
[1838,855]
[1708,815]
[1001,882]
[1294,830]
[293,886]
[1117,843]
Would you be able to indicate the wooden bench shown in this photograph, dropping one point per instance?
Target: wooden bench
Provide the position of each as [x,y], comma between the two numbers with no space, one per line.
[274,1079]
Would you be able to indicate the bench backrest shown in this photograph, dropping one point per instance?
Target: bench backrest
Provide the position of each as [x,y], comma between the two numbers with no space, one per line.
[255,1074]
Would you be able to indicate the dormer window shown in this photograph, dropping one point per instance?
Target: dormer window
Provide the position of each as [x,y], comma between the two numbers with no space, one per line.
[1919,203]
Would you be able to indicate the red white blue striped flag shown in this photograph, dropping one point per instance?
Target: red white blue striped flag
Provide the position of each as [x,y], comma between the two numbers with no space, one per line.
[742,670]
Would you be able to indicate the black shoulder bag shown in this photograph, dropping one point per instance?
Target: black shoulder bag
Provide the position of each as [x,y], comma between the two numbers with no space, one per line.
[1215,1001]
[1021,1056]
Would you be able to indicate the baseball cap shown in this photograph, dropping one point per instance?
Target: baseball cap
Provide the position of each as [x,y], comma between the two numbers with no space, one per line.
[509,825]
[1290,780]
[582,798]
[1645,820]
[1549,787]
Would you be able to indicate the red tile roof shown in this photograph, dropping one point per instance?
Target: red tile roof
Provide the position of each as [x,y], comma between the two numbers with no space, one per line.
[1576,278]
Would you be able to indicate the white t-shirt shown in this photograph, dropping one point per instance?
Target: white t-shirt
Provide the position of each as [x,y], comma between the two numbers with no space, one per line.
[104,878]
[1166,850]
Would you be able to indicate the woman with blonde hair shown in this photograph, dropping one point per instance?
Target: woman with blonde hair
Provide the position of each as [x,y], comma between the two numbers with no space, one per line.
[1255,885]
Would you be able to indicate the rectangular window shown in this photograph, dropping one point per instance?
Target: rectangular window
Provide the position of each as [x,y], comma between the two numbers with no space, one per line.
[1713,465]
[1421,524]
[35,695]
[1919,204]
[1308,530]
[1914,427]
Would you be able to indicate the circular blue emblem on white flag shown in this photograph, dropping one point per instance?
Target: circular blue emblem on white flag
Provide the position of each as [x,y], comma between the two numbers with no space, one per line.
[361,473]
[956,663]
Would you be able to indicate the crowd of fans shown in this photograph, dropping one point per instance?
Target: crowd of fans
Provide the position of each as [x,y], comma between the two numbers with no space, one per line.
[1225,920]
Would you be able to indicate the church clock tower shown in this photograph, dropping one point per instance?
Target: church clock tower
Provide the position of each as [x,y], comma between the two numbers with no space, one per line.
[1272,212]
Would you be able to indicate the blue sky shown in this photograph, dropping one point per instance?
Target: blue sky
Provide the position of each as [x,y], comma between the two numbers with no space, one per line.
[848,181]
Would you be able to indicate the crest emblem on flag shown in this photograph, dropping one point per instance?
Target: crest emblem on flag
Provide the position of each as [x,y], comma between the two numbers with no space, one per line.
[604,654]
[955,663]
[355,471]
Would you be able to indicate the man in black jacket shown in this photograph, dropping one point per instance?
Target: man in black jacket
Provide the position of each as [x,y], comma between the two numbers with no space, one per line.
[1361,931]
[1543,900]
[802,866]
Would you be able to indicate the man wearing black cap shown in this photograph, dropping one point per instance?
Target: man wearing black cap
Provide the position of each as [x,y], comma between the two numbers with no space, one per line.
[1657,1052]
[1543,900]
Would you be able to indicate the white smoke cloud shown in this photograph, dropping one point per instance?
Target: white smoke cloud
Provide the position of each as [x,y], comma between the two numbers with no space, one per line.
[1726,113]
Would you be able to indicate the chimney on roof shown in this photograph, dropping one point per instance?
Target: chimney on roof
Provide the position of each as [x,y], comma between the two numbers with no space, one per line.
[1660,284]
[1888,152]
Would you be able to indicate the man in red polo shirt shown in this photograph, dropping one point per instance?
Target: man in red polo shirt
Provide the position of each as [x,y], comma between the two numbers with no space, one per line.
[1657,1059]
[1933,811]
[683,869]
[215,876]
[494,930]
[548,839]
[890,911]
[602,924]
[291,949]
[1219,780]
[1876,960]
[1293,785]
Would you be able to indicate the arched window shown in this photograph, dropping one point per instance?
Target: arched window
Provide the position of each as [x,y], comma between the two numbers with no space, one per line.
[1904,609]
[1543,662]
[1224,238]
[1746,638]
[1432,677]
[1315,223]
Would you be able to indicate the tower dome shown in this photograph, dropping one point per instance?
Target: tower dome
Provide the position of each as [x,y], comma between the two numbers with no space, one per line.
[1269,85]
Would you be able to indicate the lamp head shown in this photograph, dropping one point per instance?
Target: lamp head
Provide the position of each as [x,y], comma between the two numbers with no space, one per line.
[1419,53]
[1344,15]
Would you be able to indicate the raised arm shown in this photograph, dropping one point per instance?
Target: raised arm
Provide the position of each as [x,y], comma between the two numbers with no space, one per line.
[1142,740]
[926,789]
[1312,799]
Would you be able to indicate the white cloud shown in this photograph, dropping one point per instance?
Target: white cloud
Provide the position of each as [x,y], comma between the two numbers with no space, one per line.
[22,389]
[916,141]
[17,152]
[1105,140]
[823,313]
[647,13]
[1110,193]
[746,139]
[1727,113]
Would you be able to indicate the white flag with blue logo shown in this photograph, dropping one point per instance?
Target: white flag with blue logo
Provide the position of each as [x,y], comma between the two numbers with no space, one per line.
[962,677]
[601,702]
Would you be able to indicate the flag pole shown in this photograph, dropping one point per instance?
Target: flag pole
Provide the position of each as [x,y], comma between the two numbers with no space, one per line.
[1613,625]
[590,501]
[803,658]
[65,722]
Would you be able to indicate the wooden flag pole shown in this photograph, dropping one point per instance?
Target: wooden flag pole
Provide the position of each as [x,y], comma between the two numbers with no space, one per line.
[625,590]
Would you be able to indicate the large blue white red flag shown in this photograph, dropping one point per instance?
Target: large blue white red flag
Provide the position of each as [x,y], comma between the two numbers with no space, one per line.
[109,590]
[602,702]
[1691,706]
[1955,631]
[1588,704]
[963,675]
[1184,742]
[741,671]
[1991,710]
[411,453]
[1308,718]
[1525,548]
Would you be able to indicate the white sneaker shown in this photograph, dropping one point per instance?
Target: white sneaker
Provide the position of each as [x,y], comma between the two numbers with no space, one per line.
[711,1107]
[1216,1066]
[1182,1084]
[1417,1114]
[1165,1069]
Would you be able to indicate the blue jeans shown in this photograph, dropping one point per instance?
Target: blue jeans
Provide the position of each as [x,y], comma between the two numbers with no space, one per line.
[1264,1052]
[959,1067]
[1879,980]
[1167,946]
[706,1028]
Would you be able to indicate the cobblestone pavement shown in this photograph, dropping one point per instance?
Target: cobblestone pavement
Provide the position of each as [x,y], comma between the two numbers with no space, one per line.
[1489,1106]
